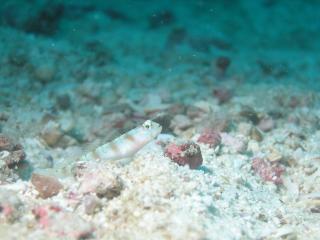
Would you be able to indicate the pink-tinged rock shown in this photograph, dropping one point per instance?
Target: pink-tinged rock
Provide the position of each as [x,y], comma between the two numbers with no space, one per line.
[41,214]
[13,158]
[98,179]
[61,224]
[45,185]
[210,137]
[11,207]
[223,95]
[266,124]
[267,171]
[235,144]
[187,153]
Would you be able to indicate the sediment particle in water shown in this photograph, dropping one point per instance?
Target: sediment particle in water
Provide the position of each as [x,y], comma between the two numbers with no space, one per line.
[46,186]
[185,154]
[161,18]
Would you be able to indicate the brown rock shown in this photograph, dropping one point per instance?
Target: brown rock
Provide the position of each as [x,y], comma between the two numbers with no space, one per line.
[185,154]
[256,134]
[14,157]
[46,186]
[110,190]
[5,143]
[51,133]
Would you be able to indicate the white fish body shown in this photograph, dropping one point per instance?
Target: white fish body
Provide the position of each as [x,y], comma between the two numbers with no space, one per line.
[126,145]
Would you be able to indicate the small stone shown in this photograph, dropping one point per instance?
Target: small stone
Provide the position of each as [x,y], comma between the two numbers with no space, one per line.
[266,124]
[309,170]
[4,116]
[109,190]
[10,205]
[46,186]
[63,101]
[5,143]
[274,156]
[195,112]
[44,73]
[268,172]
[216,123]
[186,153]
[223,95]
[161,18]
[91,204]
[211,138]
[250,114]
[181,122]
[256,134]
[14,158]
[244,128]
[98,179]
[51,133]
[235,144]
[253,147]
[60,223]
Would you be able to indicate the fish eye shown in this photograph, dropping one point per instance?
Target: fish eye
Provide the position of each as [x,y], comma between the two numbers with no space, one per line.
[147,125]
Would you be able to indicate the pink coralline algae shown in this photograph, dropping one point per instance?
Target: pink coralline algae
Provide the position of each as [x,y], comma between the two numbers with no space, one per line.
[187,153]
[61,224]
[210,137]
[11,207]
[267,171]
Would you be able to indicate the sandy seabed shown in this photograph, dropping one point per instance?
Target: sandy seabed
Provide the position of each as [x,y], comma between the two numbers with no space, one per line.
[89,73]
